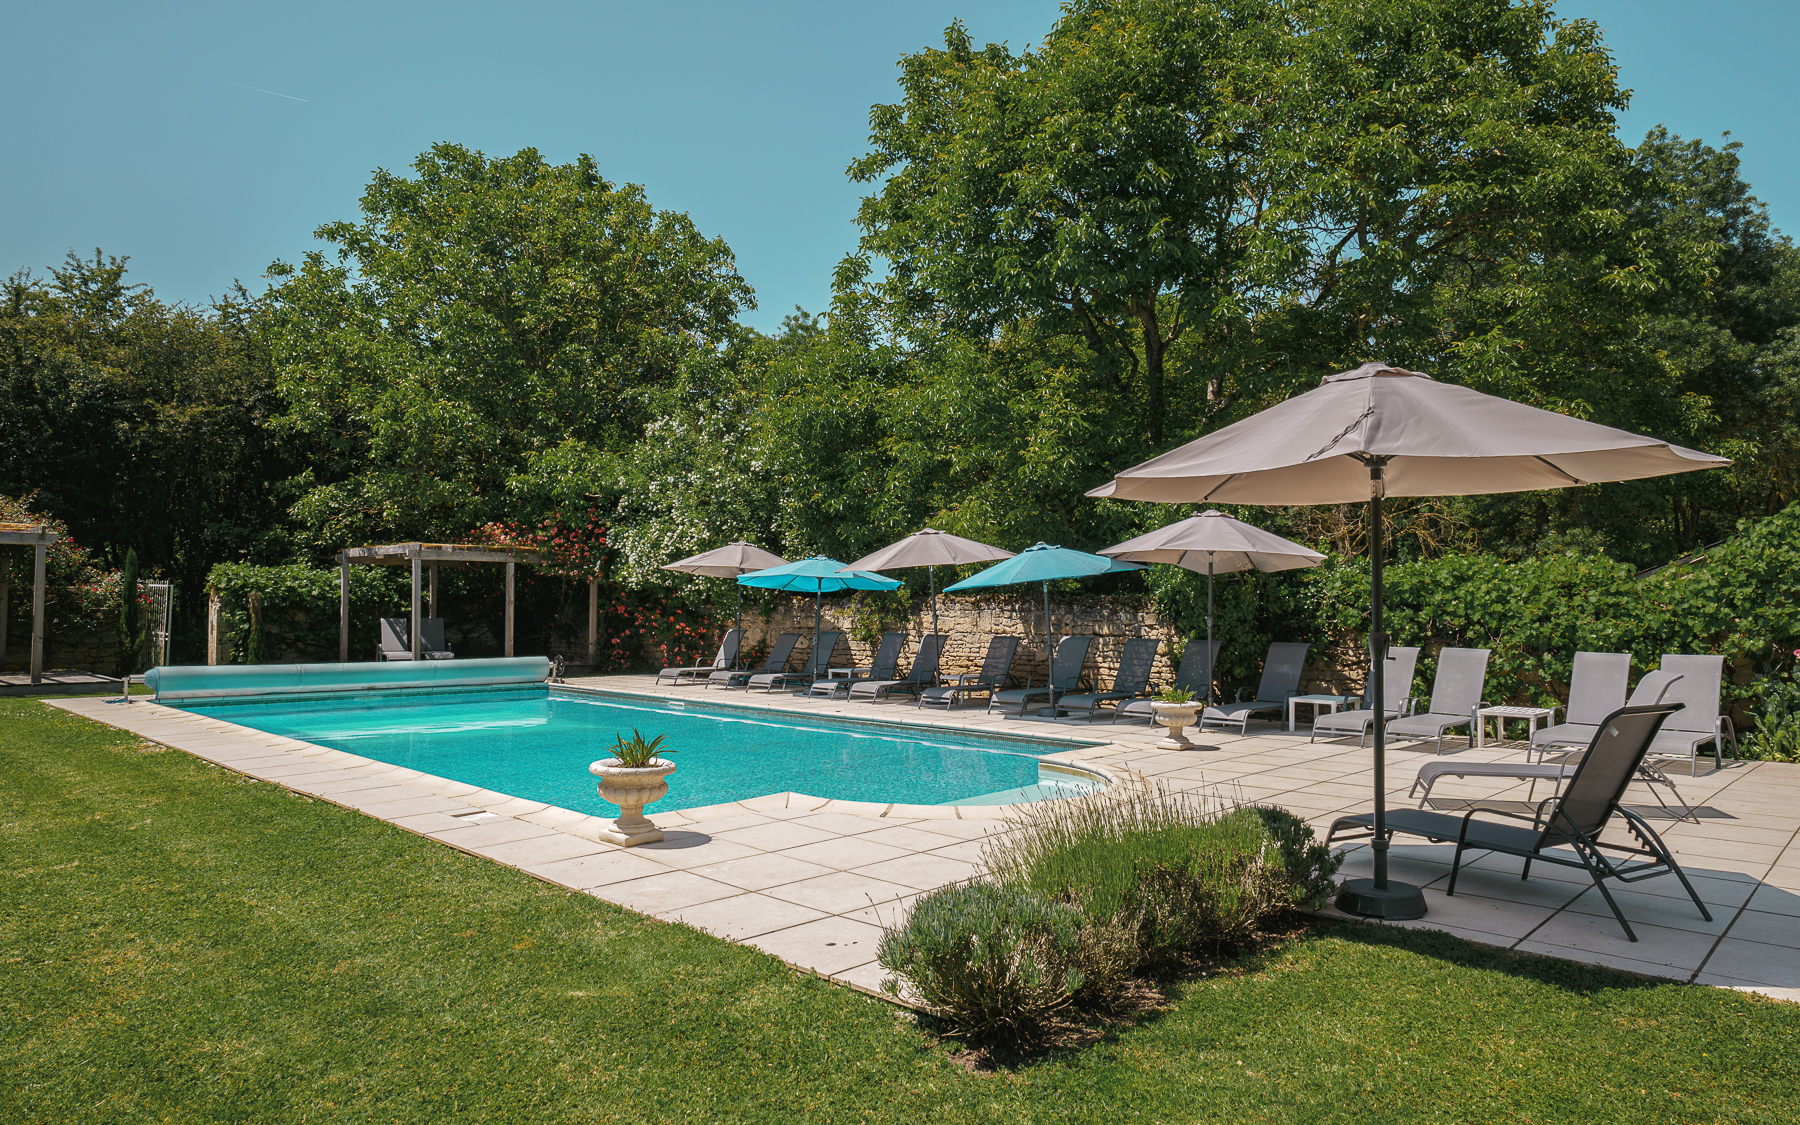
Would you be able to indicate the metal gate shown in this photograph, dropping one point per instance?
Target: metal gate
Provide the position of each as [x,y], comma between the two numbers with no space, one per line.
[157,620]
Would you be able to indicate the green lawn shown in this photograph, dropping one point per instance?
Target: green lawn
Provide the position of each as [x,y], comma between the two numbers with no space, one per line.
[181,944]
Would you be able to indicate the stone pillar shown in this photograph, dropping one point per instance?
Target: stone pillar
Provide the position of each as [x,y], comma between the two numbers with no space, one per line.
[5,609]
[593,626]
[509,608]
[415,607]
[343,607]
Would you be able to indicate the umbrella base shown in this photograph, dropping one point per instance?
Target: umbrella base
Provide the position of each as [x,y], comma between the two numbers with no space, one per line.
[1396,902]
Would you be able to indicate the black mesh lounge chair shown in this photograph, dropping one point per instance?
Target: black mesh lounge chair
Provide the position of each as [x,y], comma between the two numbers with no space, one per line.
[1699,722]
[818,665]
[396,639]
[994,669]
[1649,692]
[1396,684]
[1071,657]
[1575,821]
[881,667]
[1280,679]
[1455,696]
[728,654]
[1596,690]
[1197,664]
[1136,663]
[777,662]
[921,676]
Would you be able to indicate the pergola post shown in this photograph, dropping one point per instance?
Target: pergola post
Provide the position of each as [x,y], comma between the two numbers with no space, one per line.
[37,612]
[509,607]
[593,624]
[415,607]
[343,608]
[434,611]
[5,610]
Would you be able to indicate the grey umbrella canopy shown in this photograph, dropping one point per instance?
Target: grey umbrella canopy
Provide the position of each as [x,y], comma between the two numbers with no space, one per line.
[1384,431]
[930,548]
[1214,543]
[729,561]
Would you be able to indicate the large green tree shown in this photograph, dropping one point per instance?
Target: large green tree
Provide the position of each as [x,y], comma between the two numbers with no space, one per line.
[485,323]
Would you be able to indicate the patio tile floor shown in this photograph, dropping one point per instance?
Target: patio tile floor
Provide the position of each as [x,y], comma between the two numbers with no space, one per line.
[812,881]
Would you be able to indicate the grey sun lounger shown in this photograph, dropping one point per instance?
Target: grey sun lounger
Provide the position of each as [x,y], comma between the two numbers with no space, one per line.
[728,654]
[994,669]
[777,662]
[922,675]
[396,639]
[1196,671]
[1070,659]
[1136,662]
[818,663]
[1280,679]
[1699,722]
[1650,691]
[1596,689]
[1402,664]
[1576,821]
[883,666]
[1455,696]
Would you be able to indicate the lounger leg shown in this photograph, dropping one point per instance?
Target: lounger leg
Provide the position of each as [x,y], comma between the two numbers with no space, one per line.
[1525,870]
[1455,869]
[1607,895]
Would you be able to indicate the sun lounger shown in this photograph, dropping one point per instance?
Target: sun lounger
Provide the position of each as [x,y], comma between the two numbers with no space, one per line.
[728,654]
[921,676]
[1596,690]
[818,663]
[994,669]
[1455,696]
[777,662]
[1576,820]
[1280,679]
[1071,657]
[1136,663]
[1195,673]
[1396,682]
[1699,721]
[886,660]
[396,640]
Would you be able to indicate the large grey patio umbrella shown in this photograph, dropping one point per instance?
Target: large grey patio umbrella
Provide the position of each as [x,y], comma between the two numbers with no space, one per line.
[930,548]
[1214,543]
[1383,431]
[729,561]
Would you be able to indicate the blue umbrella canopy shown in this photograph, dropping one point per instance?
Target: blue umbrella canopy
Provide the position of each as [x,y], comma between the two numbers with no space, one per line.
[1042,563]
[816,576]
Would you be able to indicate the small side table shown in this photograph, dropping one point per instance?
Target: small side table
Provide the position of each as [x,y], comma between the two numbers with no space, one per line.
[1330,704]
[1502,713]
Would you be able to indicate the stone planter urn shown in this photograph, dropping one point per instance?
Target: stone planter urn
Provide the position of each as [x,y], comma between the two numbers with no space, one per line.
[631,788]
[1177,717]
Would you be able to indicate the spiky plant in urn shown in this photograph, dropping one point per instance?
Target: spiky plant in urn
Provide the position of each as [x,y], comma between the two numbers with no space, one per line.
[633,777]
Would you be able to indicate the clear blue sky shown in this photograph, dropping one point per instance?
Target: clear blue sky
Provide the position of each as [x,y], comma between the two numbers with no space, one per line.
[134,126]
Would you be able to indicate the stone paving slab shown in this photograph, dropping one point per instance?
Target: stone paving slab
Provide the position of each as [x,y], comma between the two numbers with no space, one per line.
[812,880]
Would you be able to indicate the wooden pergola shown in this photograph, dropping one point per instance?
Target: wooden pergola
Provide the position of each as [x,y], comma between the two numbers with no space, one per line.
[424,557]
[27,535]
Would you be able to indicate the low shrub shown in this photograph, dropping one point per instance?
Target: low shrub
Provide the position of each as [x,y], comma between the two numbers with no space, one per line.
[1083,895]
[1777,734]
[996,963]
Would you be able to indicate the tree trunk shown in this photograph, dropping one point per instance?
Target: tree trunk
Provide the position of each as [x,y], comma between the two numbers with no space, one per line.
[1154,346]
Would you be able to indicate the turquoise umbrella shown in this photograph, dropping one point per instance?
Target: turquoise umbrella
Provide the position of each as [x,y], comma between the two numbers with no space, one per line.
[1041,563]
[816,575]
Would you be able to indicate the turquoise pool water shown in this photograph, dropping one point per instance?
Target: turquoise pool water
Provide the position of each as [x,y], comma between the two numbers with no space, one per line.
[537,744]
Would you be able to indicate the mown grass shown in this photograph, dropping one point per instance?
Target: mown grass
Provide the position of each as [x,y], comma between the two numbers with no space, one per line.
[181,944]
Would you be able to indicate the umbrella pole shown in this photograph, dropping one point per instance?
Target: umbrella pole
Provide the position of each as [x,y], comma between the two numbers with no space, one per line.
[1209,648]
[932,570]
[1379,897]
[740,609]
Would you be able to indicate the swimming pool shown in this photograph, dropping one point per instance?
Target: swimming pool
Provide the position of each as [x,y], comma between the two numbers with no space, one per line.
[537,743]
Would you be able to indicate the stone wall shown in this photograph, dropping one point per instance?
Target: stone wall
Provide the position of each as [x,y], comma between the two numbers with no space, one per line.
[971,621]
